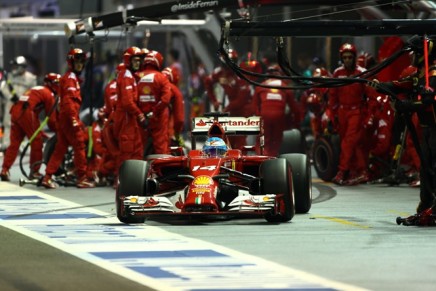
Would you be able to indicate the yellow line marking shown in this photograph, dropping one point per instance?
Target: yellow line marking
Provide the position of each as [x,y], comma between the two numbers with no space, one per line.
[341,221]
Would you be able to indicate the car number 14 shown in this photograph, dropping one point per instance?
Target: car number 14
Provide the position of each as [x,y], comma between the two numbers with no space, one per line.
[207,168]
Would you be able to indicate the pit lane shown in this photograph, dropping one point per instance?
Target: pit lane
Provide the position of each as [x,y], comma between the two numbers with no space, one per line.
[349,240]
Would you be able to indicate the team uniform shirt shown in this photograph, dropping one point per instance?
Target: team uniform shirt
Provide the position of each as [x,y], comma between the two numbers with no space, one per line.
[25,122]
[70,129]
[155,95]
[271,104]
[126,129]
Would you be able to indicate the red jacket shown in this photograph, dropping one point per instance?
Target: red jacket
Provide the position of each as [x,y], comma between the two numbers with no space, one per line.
[178,108]
[269,99]
[127,93]
[71,98]
[154,91]
[110,97]
[236,89]
[37,99]
[351,95]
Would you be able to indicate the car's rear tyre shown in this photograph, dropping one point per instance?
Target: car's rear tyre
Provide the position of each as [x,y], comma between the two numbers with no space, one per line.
[325,154]
[302,180]
[276,178]
[132,182]
[293,142]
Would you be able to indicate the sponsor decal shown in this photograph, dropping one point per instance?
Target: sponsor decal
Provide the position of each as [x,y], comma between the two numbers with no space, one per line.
[247,122]
[146,90]
[201,190]
[193,5]
[151,202]
[147,98]
[149,78]
[201,185]
[202,181]
[201,123]
[273,96]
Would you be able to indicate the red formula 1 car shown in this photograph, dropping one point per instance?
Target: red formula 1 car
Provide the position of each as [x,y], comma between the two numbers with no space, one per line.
[238,184]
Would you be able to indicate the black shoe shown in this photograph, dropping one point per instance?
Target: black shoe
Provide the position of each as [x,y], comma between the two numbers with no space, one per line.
[5,176]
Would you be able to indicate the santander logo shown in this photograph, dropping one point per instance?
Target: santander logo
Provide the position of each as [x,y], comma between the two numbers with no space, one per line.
[201,123]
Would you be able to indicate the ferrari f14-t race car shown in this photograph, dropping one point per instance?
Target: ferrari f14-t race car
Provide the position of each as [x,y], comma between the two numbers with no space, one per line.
[239,183]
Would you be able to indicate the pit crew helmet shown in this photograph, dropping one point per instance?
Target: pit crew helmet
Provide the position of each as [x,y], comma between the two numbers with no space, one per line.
[19,61]
[215,147]
[347,47]
[19,65]
[408,72]
[274,69]
[321,72]
[172,75]
[155,59]
[315,102]
[51,80]
[75,54]
[129,53]
[252,66]
[365,60]
[233,55]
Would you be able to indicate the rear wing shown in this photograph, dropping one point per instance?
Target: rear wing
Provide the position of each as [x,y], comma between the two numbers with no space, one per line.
[231,125]
[221,125]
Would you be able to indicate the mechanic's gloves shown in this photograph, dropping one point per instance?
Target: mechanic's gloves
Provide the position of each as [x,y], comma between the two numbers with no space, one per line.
[144,120]
[378,86]
[403,106]
[327,123]
[179,140]
[14,98]
[427,96]
[77,124]
[374,84]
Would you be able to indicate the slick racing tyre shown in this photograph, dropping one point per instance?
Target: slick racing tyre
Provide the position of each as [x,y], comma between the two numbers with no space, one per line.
[276,178]
[302,180]
[325,154]
[293,142]
[132,182]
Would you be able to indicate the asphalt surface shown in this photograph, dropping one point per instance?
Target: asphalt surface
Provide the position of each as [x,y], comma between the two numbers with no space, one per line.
[30,265]
[350,236]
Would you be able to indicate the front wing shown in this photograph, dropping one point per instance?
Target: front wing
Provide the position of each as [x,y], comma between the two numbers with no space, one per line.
[243,205]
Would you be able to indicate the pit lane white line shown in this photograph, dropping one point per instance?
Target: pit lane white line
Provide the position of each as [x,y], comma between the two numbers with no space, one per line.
[146,254]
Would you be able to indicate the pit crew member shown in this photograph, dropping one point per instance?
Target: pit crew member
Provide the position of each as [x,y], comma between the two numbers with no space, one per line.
[70,129]
[25,122]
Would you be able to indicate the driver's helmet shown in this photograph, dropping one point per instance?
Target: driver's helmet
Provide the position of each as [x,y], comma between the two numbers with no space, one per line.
[215,147]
